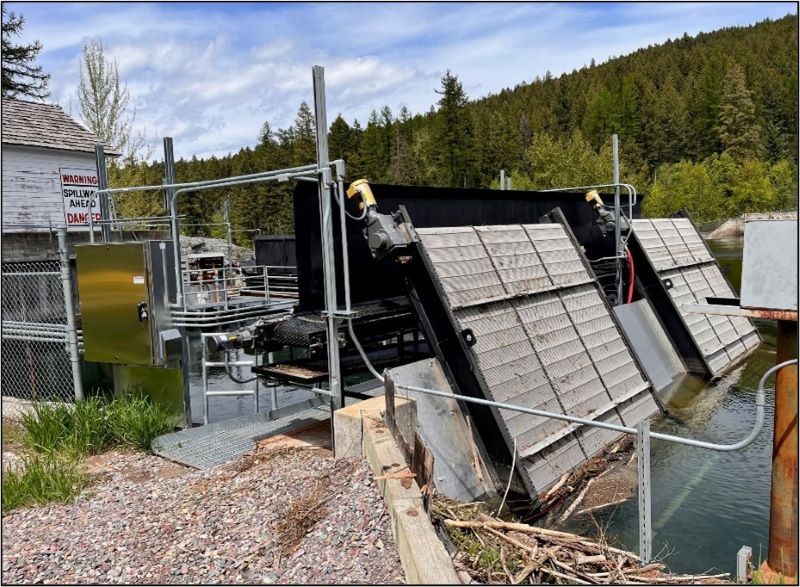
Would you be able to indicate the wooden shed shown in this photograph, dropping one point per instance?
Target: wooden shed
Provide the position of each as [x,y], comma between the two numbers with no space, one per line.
[48,172]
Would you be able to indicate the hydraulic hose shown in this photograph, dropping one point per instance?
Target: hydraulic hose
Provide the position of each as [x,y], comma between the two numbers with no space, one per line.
[631,275]
[235,379]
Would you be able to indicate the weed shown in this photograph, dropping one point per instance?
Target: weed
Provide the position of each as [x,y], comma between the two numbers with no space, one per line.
[134,421]
[87,430]
[47,425]
[41,479]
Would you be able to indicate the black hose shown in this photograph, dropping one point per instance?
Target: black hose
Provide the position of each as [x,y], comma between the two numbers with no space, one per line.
[234,379]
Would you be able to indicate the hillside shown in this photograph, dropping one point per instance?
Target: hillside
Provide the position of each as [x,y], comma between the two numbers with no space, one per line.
[707,122]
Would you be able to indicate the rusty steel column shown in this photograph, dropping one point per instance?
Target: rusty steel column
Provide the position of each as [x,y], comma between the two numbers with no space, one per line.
[783,527]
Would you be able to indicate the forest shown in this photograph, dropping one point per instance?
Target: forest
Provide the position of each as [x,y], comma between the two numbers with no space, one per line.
[707,123]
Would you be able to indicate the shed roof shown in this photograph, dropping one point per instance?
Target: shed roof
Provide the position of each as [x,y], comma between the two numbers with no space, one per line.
[34,124]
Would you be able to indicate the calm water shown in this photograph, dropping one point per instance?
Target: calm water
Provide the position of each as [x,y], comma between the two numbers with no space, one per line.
[706,504]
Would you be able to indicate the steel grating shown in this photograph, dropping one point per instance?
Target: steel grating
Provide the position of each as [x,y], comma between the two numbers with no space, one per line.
[544,339]
[678,254]
[218,442]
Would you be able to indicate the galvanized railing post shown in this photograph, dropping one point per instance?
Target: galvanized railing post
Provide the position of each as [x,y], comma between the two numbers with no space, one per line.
[102,199]
[205,378]
[72,333]
[645,515]
[328,255]
[617,219]
[169,179]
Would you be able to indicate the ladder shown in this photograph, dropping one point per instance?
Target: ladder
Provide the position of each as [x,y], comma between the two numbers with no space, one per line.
[208,393]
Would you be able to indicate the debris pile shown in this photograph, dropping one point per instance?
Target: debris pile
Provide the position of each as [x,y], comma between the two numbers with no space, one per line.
[491,550]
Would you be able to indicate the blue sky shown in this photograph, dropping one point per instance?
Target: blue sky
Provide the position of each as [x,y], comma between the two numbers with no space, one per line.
[209,74]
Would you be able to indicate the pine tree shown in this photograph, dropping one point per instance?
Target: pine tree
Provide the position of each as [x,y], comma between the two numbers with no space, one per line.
[453,135]
[21,76]
[374,153]
[738,127]
[339,139]
[305,146]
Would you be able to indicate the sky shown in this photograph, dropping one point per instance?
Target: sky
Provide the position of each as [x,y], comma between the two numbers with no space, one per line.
[210,74]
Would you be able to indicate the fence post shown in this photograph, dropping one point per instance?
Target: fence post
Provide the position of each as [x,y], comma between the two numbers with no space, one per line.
[72,333]
[643,465]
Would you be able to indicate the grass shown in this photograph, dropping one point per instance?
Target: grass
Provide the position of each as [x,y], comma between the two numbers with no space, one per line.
[134,421]
[95,424]
[60,435]
[41,479]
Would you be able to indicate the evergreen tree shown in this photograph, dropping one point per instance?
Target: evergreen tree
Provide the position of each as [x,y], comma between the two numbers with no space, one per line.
[374,149]
[453,135]
[21,76]
[339,139]
[738,127]
[305,146]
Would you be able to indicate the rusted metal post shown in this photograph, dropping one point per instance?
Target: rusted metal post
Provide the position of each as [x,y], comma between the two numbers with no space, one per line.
[782,557]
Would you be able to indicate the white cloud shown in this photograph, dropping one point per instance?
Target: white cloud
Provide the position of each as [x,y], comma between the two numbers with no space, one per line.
[210,74]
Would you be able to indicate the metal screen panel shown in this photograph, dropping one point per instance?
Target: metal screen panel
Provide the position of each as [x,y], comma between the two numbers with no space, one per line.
[544,339]
[677,252]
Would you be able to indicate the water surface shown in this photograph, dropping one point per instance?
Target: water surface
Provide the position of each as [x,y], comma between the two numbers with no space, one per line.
[706,504]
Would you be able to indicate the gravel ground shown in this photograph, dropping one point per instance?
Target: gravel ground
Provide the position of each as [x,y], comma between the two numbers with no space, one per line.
[278,515]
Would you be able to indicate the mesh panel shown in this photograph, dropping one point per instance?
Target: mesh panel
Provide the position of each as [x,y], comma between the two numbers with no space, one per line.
[35,362]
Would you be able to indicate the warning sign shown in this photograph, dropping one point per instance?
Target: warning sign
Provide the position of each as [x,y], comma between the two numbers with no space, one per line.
[78,186]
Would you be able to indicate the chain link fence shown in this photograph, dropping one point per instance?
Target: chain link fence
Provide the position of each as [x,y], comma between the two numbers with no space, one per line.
[36,361]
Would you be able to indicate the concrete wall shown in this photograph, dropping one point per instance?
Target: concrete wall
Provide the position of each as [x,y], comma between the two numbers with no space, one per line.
[32,187]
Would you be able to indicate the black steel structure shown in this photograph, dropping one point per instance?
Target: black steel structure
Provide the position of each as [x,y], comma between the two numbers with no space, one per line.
[373,280]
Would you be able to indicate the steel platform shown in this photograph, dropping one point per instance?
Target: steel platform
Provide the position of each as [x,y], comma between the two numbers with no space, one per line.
[213,444]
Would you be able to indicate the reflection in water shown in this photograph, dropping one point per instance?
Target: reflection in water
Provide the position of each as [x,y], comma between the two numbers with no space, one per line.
[706,504]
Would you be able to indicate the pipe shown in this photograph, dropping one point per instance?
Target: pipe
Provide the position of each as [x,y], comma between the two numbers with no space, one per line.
[575,420]
[782,555]
[72,335]
[280,175]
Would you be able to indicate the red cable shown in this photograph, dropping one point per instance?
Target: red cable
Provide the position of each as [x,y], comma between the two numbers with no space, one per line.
[631,274]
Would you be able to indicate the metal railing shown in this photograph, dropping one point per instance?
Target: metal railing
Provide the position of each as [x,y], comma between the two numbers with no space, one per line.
[226,364]
[257,284]
[642,432]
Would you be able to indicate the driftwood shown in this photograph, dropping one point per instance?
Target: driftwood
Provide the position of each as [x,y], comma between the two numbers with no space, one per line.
[525,554]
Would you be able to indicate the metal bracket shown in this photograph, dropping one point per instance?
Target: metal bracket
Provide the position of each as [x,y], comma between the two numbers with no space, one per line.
[340,314]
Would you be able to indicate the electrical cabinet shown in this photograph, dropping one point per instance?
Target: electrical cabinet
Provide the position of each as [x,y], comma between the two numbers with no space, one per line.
[125,291]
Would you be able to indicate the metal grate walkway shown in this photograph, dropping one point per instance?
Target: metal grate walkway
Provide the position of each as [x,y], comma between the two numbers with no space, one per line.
[216,443]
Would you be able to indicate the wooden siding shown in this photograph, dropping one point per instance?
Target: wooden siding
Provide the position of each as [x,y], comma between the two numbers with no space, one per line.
[32,188]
